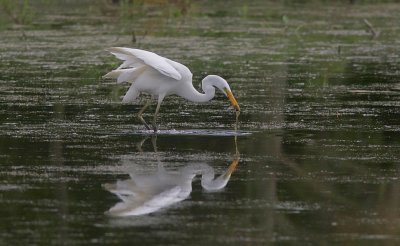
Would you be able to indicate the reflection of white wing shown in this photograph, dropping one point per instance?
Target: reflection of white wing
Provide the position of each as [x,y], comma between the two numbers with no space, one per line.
[135,207]
[134,62]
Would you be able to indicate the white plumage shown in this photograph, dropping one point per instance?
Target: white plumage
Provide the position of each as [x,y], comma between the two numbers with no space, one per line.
[161,77]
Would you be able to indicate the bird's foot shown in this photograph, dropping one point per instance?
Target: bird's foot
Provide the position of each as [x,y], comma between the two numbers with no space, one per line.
[147,127]
[155,127]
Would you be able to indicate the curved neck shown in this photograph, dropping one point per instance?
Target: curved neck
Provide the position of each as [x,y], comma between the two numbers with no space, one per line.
[208,181]
[190,93]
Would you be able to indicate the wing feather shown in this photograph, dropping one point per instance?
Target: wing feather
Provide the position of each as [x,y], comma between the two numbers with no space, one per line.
[133,56]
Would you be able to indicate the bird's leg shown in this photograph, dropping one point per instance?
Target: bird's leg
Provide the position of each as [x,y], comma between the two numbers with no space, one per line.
[141,112]
[153,123]
[154,142]
[140,144]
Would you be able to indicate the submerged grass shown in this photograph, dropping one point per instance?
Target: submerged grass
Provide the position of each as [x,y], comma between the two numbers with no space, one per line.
[17,12]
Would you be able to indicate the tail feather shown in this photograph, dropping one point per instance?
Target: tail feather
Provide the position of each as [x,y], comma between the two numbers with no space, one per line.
[131,63]
[125,75]
[113,74]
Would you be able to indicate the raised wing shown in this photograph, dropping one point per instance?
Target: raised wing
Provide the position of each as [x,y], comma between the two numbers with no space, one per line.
[134,62]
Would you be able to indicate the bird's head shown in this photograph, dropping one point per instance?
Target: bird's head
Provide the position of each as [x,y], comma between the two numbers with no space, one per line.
[223,86]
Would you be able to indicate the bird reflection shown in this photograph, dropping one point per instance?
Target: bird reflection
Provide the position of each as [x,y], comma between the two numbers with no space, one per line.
[146,193]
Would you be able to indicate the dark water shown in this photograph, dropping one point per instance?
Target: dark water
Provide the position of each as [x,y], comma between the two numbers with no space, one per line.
[319,131]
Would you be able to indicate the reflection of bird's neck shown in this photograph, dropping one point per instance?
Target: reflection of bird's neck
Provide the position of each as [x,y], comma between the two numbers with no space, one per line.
[190,93]
[208,179]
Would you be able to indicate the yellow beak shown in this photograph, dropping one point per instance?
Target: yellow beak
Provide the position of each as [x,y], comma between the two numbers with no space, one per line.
[231,168]
[232,99]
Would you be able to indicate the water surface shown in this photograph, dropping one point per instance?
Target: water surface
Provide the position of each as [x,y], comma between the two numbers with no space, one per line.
[318,134]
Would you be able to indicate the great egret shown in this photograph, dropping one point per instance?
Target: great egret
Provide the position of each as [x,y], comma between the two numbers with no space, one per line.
[161,77]
[144,194]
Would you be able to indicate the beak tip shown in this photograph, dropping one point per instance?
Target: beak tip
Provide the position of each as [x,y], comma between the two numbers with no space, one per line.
[236,106]
[233,100]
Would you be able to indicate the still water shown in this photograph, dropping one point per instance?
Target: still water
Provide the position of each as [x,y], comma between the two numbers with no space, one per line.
[314,160]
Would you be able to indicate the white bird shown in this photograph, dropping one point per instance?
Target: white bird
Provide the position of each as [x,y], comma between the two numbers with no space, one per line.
[144,194]
[161,77]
